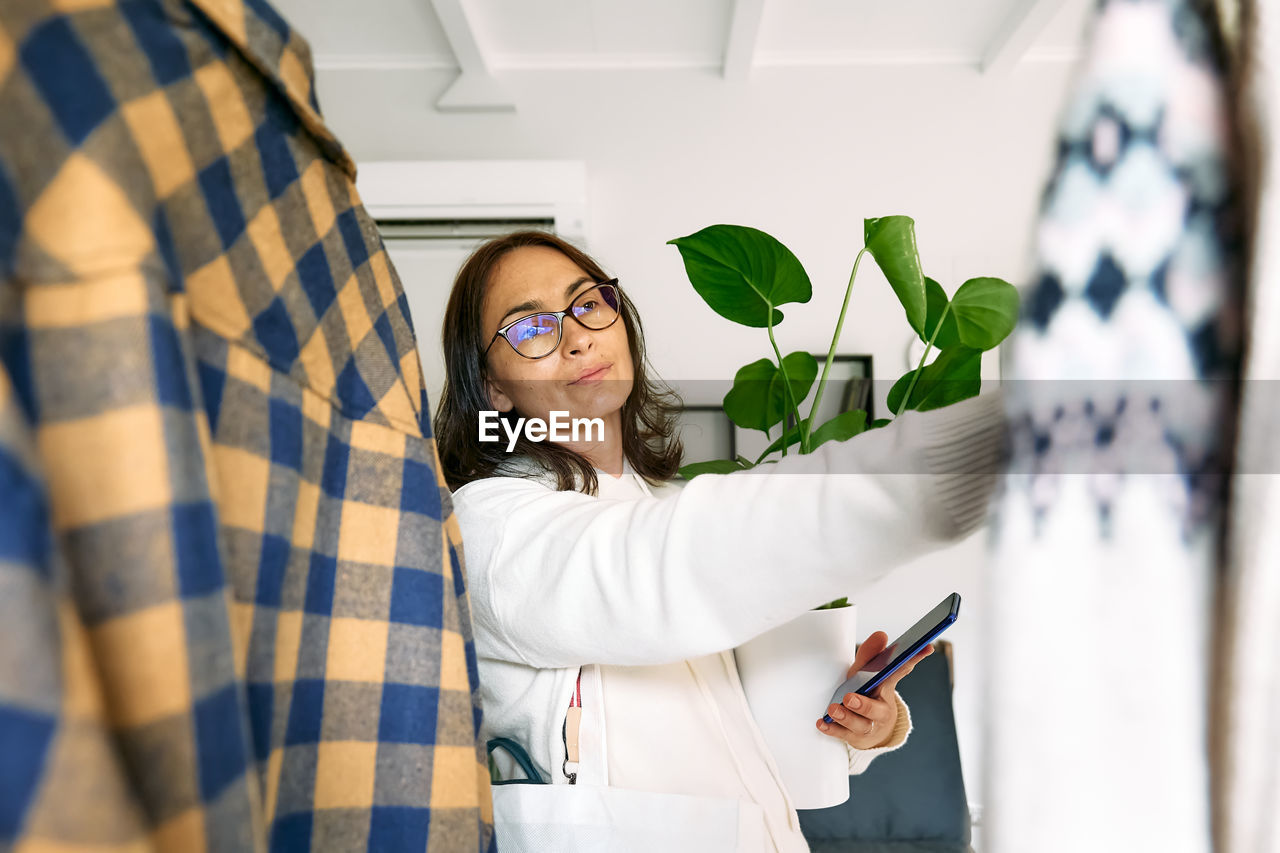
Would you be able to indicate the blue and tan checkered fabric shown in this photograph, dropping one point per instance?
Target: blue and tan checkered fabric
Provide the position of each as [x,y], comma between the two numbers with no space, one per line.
[232,611]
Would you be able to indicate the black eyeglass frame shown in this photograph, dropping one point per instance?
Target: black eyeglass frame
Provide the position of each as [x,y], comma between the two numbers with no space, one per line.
[559,315]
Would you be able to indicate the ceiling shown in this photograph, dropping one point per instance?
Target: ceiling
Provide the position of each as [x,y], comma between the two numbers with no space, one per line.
[489,40]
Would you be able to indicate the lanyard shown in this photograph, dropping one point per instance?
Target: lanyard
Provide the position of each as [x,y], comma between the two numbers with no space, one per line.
[569,732]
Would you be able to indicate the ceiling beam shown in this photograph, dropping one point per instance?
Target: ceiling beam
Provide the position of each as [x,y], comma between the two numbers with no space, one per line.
[1017,32]
[744,32]
[476,89]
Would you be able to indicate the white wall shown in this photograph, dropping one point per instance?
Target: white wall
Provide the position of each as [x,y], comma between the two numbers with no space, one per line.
[801,153]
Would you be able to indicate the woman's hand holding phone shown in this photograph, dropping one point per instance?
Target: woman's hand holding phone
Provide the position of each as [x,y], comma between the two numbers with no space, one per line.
[865,722]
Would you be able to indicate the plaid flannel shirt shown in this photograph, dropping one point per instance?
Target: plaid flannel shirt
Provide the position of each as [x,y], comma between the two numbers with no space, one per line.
[232,609]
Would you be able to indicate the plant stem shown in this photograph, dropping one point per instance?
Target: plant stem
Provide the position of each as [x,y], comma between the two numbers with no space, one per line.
[786,386]
[831,353]
[786,437]
[906,398]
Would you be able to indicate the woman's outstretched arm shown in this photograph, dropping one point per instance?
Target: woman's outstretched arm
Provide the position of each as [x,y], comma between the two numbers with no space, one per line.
[560,579]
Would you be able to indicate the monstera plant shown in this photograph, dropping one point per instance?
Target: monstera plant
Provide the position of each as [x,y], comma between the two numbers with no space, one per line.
[744,275]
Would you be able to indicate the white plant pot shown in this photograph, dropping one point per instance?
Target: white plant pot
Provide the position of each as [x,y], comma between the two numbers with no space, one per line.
[789,674]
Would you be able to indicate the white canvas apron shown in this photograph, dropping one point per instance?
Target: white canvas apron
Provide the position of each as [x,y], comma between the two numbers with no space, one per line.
[591,816]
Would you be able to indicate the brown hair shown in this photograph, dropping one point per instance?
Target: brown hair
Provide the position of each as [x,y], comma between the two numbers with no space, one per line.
[648,415]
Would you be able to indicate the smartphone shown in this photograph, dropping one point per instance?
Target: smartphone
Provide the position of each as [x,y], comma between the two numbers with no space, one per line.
[865,681]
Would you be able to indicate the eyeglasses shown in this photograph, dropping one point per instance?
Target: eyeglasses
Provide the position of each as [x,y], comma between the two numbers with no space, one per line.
[538,335]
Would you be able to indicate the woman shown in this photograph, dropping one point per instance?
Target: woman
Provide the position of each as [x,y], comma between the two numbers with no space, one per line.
[593,576]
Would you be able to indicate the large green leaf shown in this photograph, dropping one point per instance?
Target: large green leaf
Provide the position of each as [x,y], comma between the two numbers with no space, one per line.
[750,403]
[986,310]
[936,307]
[953,376]
[802,370]
[899,388]
[715,466]
[743,273]
[840,428]
[758,399]
[892,242]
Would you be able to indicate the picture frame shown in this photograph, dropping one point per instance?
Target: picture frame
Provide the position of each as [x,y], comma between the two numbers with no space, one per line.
[707,433]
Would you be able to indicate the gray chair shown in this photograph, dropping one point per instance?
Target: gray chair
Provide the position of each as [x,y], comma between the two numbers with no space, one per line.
[911,800]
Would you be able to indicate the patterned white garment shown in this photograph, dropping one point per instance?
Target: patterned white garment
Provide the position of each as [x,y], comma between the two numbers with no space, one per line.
[1119,387]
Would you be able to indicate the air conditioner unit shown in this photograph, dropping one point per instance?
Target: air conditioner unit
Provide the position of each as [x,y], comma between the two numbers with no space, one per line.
[474,199]
[432,214]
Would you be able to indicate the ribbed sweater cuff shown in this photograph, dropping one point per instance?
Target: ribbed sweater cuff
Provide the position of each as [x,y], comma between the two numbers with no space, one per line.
[860,759]
[964,450]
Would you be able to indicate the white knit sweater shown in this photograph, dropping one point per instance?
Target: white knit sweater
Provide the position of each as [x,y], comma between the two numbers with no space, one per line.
[656,585]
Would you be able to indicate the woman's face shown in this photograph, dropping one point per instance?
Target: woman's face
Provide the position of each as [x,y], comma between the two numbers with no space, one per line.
[589,375]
